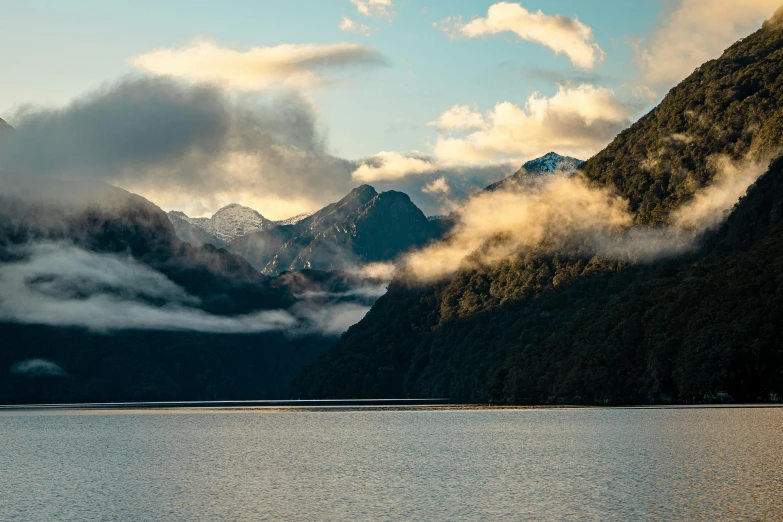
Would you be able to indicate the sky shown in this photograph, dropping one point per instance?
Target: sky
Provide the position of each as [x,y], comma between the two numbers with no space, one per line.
[286,105]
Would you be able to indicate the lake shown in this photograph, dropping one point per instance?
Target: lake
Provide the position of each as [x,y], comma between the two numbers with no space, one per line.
[392,464]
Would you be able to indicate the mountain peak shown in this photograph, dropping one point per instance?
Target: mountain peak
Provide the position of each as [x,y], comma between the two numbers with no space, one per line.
[364,189]
[534,172]
[552,161]
[236,208]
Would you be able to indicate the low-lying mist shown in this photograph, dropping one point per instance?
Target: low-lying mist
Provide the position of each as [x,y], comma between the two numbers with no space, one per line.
[58,284]
[568,213]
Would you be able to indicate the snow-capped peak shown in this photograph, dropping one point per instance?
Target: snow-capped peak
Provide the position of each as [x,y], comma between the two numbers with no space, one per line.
[551,162]
[230,222]
[535,173]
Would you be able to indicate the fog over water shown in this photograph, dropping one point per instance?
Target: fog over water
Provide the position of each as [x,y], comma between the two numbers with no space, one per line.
[534,464]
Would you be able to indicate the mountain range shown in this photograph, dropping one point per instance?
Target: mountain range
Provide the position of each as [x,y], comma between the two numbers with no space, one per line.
[101,301]
[558,323]
[225,225]
[363,227]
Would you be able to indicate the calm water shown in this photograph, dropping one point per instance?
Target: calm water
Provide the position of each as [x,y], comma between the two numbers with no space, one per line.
[602,464]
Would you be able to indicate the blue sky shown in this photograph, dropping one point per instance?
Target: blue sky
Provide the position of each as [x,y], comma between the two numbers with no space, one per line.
[61,50]
[66,48]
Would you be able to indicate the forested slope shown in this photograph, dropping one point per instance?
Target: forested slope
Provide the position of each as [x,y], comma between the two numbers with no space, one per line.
[568,326]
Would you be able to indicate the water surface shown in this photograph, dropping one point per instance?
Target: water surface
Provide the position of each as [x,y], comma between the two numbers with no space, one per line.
[414,464]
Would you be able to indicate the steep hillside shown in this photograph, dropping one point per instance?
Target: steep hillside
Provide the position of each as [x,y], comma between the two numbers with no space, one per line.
[544,327]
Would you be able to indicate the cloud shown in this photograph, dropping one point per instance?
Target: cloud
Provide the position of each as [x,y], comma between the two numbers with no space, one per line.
[348,25]
[186,147]
[38,368]
[708,205]
[693,32]
[375,8]
[561,34]
[459,117]
[287,65]
[61,285]
[437,186]
[497,224]
[576,121]
[570,214]
[392,166]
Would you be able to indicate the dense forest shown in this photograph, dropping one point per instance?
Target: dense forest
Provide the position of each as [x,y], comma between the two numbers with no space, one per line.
[567,326]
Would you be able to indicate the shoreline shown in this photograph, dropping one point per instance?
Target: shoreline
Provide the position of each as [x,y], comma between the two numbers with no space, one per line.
[348,405]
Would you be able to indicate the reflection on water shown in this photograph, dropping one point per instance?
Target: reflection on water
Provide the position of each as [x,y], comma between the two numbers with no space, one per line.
[596,464]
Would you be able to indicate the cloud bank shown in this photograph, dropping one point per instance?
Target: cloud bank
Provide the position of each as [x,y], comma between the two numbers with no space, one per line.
[576,121]
[59,284]
[154,136]
[569,213]
[286,65]
[559,33]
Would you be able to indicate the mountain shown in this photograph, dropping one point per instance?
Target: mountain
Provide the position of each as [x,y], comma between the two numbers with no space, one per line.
[573,327]
[293,220]
[362,227]
[190,232]
[101,301]
[228,223]
[536,170]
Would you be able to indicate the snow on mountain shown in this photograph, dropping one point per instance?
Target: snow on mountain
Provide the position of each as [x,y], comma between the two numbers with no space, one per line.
[534,173]
[294,220]
[230,222]
[551,162]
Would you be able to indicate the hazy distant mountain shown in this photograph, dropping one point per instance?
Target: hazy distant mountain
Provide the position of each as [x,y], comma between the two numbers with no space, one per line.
[362,227]
[534,171]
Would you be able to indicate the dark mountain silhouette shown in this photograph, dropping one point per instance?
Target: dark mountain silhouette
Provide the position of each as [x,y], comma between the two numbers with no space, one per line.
[570,327]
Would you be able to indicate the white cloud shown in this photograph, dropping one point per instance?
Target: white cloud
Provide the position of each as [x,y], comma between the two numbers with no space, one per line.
[576,121]
[62,285]
[694,32]
[437,186]
[348,25]
[393,165]
[563,35]
[375,8]
[289,65]
[459,117]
